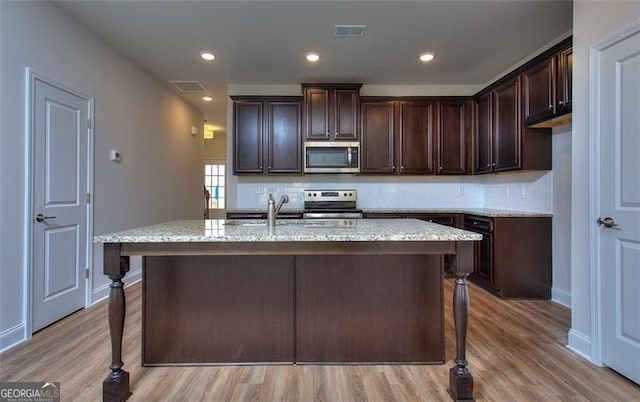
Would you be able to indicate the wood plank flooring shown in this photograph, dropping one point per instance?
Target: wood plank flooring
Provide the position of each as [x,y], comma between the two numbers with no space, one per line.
[516,352]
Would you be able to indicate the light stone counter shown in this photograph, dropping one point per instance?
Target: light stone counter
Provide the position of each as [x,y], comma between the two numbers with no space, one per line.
[316,230]
[488,212]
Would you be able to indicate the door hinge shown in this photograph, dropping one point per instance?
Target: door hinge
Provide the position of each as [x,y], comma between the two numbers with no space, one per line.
[89,123]
[87,198]
[86,273]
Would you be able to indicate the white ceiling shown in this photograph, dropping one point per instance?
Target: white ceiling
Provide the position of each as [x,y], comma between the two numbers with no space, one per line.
[264,42]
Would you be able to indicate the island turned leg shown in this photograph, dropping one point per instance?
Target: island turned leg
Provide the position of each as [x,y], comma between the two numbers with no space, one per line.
[116,386]
[460,379]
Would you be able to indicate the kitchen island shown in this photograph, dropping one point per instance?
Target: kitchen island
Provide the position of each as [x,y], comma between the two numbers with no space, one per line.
[304,292]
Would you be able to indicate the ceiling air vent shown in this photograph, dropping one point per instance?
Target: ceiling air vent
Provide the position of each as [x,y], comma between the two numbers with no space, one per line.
[188,86]
[349,31]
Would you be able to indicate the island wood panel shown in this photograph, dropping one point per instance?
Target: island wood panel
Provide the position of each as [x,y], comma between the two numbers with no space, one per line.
[202,309]
[371,308]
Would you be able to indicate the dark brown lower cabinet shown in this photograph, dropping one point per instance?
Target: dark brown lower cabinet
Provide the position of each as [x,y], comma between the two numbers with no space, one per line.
[199,309]
[284,309]
[514,259]
[373,308]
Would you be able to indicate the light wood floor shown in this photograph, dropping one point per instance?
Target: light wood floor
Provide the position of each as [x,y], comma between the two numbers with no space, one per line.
[516,352]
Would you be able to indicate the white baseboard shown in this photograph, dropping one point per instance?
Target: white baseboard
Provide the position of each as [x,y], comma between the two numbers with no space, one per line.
[580,344]
[102,292]
[12,337]
[561,296]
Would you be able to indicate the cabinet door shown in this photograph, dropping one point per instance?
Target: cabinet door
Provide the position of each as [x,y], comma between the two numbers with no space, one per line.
[317,113]
[346,115]
[378,128]
[248,138]
[454,129]
[538,91]
[484,259]
[483,137]
[564,81]
[284,139]
[506,126]
[417,137]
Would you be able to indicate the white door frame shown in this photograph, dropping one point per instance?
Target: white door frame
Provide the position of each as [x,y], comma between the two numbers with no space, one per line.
[31,76]
[594,173]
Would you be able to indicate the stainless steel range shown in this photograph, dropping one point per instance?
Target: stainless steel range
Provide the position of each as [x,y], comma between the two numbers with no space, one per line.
[330,204]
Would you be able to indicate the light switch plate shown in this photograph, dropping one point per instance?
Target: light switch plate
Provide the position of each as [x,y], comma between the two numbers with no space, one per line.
[114,155]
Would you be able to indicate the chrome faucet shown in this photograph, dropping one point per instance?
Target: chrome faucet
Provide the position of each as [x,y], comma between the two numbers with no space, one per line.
[273,210]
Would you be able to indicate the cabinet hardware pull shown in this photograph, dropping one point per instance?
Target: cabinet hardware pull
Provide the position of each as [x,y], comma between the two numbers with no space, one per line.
[560,102]
[550,107]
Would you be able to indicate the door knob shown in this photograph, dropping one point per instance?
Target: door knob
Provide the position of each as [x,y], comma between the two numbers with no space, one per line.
[42,218]
[607,222]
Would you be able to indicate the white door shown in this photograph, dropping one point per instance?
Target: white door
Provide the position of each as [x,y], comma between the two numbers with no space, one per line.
[618,73]
[60,138]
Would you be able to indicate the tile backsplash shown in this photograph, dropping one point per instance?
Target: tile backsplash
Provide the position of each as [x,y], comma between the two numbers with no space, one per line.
[531,191]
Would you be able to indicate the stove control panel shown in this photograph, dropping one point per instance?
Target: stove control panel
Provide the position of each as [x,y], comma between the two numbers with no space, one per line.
[329,195]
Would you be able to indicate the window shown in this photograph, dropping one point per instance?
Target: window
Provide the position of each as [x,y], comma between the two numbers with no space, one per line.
[214,183]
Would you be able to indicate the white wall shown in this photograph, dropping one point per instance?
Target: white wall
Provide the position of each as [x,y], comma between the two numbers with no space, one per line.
[160,177]
[592,21]
[561,159]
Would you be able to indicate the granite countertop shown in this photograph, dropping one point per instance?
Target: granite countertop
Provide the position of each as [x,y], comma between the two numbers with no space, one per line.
[488,212]
[290,230]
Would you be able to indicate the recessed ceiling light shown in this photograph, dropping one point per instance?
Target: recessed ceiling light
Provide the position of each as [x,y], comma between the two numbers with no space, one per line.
[426,57]
[313,57]
[208,56]
[207,98]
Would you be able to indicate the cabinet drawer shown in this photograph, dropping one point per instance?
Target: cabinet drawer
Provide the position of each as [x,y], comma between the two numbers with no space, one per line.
[477,223]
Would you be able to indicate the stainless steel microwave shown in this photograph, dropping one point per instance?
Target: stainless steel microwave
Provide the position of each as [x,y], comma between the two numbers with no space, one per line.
[331,157]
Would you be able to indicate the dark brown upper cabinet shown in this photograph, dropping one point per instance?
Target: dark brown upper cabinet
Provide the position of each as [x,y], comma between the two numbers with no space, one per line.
[267,129]
[416,137]
[484,133]
[546,90]
[454,135]
[378,136]
[506,126]
[501,142]
[331,111]
[398,136]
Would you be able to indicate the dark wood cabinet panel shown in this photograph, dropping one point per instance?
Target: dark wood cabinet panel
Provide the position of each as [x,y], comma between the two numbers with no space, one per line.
[538,87]
[506,127]
[331,111]
[564,82]
[284,139]
[501,141]
[513,260]
[346,114]
[356,309]
[417,123]
[454,133]
[547,87]
[483,134]
[378,135]
[267,129]
[316,106]
[222,309]
[248,130]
